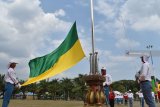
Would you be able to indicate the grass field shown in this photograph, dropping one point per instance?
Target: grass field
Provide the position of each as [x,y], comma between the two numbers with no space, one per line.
[51,103]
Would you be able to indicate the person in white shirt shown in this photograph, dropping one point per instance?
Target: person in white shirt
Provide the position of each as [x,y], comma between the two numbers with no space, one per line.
[141,98]
[130,98]
[10,81]
[106,84]
[145,81]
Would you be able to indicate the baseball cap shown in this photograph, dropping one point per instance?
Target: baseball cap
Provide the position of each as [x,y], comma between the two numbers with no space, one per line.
[13,62]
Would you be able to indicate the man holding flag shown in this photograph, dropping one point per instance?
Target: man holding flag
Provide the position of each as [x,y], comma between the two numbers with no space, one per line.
[10,82]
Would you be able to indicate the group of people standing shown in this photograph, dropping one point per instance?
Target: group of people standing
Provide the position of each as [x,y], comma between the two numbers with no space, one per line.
[143,77]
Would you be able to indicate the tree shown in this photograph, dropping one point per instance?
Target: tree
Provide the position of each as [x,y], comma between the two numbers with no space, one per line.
[125,85]
[23,89]
[33,88]
[67,86]
[42,89]
[53,88]
[79,87]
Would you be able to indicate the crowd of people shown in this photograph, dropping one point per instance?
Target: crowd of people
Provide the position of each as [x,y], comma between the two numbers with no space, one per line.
[143,77]
[129,97]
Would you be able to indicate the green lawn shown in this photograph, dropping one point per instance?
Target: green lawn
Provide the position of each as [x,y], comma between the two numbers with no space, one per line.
[51,103]
[44,103]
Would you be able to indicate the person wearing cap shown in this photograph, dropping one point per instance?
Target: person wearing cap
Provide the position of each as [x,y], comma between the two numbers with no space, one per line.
[125,96]
[130,98]
[145,81]
[140,95]
[106,84]
[10,81]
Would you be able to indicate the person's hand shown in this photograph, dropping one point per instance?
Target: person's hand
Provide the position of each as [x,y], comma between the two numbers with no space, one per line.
[142,78]
[18,86]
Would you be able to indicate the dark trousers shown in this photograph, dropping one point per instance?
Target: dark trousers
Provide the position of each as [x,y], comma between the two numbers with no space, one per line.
[111,102]
[125,102]
[7,94]
[146,90]
[106,90]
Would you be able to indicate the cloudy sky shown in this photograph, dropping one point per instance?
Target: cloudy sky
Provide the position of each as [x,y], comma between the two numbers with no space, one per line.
[32,28]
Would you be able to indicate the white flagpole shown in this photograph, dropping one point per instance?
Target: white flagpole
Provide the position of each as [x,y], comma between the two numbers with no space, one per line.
[92,30]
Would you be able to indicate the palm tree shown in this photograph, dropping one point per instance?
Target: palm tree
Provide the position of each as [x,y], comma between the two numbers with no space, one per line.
[67,85]
[42,89]
[33,88]
[79,87]
[53,88]
[23,89]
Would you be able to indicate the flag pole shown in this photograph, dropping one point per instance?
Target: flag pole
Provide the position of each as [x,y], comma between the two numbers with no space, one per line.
[92,30]
[94,95]
[150,47]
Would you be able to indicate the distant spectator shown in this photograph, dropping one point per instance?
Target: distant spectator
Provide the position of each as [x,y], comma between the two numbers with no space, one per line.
[130,98]
[121,98]
[156,97]
[125,96]
[106,84]
[159,96]
[116,98]
[153,95]
[111,97]
[141,98]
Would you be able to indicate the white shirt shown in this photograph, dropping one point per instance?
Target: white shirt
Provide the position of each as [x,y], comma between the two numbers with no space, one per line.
[140,94]
[146,71]
[108,80]
[120,96]
[10,76]
[130,95]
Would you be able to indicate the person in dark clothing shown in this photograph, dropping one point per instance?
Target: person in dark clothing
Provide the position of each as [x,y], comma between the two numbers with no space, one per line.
[125,96]
[111,97]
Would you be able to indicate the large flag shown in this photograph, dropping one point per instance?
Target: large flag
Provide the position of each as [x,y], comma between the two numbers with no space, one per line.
[65,56]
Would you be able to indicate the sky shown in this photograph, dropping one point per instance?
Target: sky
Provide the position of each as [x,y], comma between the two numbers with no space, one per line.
[33,28]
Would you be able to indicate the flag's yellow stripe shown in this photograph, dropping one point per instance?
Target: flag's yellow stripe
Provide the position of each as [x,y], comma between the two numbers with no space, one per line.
[70,58]
[158,87]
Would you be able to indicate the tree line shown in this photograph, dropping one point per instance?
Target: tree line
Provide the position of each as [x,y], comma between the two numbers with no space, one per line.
[66,89]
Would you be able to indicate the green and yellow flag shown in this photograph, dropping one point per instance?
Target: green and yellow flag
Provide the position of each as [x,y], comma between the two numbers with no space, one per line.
[65,56]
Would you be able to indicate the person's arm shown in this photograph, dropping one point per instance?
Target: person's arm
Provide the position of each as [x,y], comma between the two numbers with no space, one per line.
[109,82]
[132,96]
[105,83]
